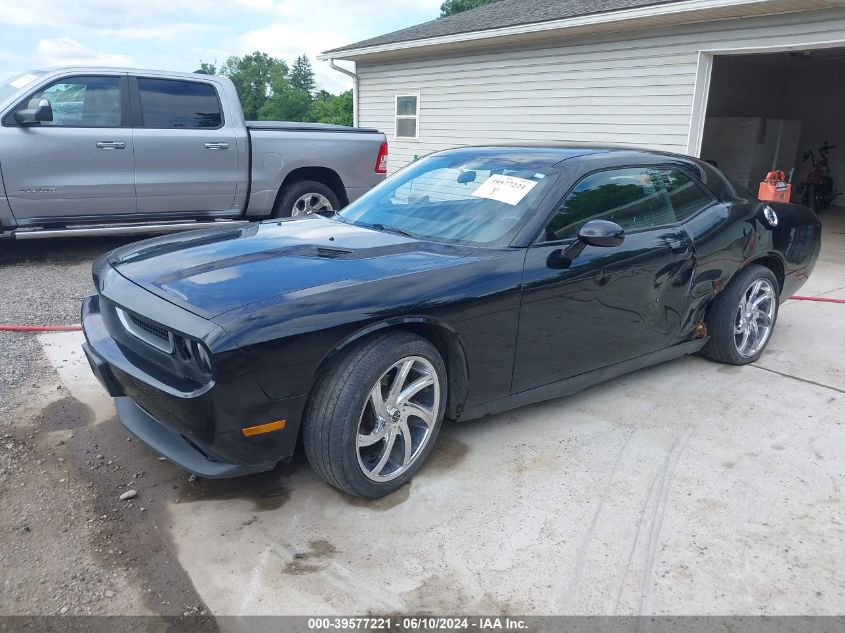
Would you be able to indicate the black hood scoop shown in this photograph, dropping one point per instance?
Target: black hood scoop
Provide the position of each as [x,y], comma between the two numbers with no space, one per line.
[331,253]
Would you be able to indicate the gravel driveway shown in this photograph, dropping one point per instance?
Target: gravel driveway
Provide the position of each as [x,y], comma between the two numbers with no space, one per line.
[43,283]
[68,544]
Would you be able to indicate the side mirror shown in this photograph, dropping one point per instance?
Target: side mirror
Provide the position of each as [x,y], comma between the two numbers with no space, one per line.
[601,233]
[37,110]
[594,233]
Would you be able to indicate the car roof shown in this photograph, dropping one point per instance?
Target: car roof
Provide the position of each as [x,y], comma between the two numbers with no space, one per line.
[556,153]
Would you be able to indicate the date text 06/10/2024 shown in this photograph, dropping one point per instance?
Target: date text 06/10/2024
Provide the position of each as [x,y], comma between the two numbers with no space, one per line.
[428,623]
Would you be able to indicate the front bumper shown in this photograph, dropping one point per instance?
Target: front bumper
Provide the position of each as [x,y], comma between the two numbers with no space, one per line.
[198,427]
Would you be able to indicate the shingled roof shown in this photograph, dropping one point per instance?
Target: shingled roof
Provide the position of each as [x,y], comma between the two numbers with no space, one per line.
[499,14]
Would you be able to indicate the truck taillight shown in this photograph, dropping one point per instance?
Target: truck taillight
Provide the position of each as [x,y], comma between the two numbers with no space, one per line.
[381,160]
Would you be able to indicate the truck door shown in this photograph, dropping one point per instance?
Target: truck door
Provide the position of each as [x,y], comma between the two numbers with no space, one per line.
[186,158]
[79,165]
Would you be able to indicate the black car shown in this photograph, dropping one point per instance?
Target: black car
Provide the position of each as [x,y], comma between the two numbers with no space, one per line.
[473,281]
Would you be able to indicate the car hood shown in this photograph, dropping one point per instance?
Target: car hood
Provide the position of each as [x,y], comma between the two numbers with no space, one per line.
[212,272]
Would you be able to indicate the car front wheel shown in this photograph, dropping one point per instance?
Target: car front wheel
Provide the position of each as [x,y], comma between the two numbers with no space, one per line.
[374,416]
[742,318]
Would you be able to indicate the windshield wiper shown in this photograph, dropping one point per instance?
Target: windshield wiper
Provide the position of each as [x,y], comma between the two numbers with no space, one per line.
[392,229]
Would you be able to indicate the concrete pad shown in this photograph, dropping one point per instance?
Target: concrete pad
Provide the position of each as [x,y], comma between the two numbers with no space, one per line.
[809,342]
[689,488]
[64,351]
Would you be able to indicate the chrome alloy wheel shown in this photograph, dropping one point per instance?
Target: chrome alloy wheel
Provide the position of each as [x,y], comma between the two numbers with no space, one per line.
[754,318]
[309,203]
[398,418]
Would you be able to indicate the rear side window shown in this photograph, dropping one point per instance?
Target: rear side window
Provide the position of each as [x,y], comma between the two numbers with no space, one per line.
[169,103]
[634,198]
[686,196]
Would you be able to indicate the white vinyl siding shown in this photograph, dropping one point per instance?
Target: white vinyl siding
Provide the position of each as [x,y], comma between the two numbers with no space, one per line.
[633,88]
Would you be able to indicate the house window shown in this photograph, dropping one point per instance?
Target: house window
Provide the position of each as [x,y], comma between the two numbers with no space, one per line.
[407,116]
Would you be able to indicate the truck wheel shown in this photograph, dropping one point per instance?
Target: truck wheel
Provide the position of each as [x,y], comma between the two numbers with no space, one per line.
[374,416]
[304,198]
[742,318]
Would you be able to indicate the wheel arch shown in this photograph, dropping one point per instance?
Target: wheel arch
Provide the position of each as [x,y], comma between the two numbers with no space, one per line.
[773,262]
[325,175]
[444,338]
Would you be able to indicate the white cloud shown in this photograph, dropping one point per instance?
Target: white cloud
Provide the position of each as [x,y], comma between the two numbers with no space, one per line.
[178,34]
[174,31]
[65,51]
[92,14]
[287,42]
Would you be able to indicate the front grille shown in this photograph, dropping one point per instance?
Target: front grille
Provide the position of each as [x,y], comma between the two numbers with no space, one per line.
[152,328]
[148,331]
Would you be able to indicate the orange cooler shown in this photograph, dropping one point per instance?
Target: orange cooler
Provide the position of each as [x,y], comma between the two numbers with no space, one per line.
[775,188]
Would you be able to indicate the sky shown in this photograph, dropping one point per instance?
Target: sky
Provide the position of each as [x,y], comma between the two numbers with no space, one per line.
[179,34]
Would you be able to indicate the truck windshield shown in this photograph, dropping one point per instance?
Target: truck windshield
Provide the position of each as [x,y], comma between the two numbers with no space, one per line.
[18,82]
[469,197]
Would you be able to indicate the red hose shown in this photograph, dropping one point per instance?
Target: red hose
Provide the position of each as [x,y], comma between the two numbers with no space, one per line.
[40,328]
[822,299]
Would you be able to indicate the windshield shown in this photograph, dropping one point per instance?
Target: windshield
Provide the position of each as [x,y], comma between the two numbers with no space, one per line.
[19,82]
[468,197]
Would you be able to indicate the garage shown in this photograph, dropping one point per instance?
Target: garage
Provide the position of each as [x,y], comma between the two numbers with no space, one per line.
[780,111]
[646,73]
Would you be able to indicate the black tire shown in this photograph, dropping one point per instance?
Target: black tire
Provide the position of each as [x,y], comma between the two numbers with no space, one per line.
[331,422]
[292,193]
[722,317]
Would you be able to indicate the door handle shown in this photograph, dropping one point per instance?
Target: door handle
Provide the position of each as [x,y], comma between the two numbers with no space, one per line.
[679,246]
[216,146]
[111,145]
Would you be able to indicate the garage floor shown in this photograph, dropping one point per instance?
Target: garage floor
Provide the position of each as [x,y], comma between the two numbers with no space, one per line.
[688,488]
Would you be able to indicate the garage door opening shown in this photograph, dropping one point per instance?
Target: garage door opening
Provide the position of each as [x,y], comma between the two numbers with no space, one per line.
[780,111]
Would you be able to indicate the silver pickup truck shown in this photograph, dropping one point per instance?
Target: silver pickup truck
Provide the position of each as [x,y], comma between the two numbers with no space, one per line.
[108,151]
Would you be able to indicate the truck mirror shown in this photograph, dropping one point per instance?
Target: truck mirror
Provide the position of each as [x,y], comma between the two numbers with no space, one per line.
[37,110]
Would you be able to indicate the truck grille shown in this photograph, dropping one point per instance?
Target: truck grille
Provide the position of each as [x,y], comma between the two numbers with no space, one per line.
[148,331]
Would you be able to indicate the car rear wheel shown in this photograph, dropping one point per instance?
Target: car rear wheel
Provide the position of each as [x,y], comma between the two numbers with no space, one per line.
[374,416]
[742,318]
[305,198]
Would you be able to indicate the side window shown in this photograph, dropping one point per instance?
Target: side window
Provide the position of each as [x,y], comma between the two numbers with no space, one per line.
[634,198]
[407,116]
[83,102]
[685,195]
[170,103]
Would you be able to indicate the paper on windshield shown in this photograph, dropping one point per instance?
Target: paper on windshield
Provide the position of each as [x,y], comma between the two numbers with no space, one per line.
[508,189]
[23,81]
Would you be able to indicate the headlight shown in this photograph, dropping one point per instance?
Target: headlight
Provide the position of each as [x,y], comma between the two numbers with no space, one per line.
[195,353]
[202,357]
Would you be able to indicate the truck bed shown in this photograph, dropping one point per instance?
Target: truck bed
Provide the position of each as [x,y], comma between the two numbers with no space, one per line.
[295,126]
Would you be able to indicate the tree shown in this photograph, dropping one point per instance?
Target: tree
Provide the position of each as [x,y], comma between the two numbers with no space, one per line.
[287,103]
[451,7]
[329,108]
[269,90]
[302,75]
[252,76]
